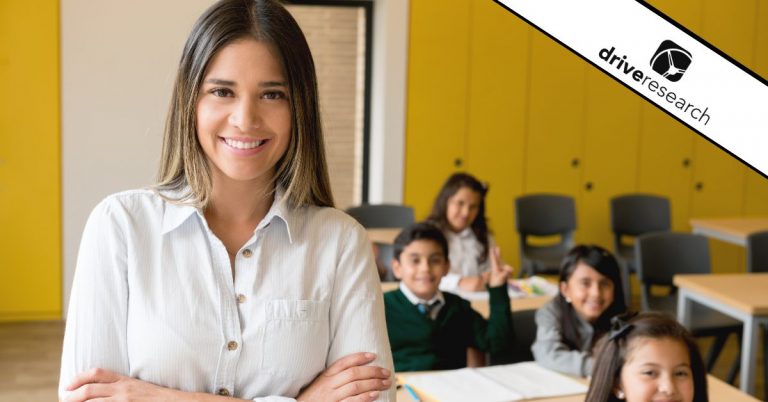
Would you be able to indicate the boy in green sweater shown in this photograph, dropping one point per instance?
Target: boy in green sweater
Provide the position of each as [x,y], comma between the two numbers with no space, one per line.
[432,330]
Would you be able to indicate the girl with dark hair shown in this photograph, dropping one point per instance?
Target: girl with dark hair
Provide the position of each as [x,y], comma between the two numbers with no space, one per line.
[234,276]
[647,358]
[459,211]
[570,324]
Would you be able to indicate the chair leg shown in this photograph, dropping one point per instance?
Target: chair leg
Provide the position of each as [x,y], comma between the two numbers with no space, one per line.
[714,351]
[735,366]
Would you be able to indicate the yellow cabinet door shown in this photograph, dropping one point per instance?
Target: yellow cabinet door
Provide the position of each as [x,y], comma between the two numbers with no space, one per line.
[498,84]
[30,221]
[556,119]
[436,121]
[611,137]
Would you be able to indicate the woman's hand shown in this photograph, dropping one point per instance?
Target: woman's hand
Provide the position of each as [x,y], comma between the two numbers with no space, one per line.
[499,270]
[104,385]
[348,379]
[100,384]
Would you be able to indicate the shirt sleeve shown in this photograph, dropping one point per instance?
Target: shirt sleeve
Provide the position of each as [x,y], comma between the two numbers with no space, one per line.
[495,335]
[450,282]
[550,351]
[357,320]
[95,334]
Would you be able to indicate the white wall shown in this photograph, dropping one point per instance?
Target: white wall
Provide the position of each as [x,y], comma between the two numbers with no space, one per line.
[118,61]
[118,64]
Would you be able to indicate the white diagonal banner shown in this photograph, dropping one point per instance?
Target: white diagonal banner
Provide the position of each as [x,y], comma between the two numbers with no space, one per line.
[711,94]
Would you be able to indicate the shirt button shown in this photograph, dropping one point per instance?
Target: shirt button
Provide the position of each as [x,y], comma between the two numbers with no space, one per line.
[223,392]
[247,253]
[232,345]
[240,299]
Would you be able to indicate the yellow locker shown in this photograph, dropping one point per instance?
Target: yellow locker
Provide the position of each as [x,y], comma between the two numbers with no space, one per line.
[611,137]
[438,62]
[498,84]
[718,177]
[30,221]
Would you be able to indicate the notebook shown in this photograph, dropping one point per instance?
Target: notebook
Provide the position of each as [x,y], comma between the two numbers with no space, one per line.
[511,382]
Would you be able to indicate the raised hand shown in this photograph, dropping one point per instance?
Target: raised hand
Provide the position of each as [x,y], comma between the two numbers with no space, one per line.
[500,271]
[348,379]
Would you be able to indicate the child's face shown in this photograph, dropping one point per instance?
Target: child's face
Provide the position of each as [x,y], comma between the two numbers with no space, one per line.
[421,266]
[657,370]
[462,209]
[590,292]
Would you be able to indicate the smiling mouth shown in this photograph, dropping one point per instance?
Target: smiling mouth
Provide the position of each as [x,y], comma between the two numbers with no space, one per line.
[243,144]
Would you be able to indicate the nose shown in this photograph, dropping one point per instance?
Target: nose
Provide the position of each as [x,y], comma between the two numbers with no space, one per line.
[594,290]
[667,385]
[245,116]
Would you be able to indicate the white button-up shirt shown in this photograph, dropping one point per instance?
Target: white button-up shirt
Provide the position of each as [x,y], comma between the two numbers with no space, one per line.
[464,251]
[154,298]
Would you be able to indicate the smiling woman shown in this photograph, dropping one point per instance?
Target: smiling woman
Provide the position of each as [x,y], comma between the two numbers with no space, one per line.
[233,275]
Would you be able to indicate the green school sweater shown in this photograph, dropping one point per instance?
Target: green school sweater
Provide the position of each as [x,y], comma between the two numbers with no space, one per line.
[419,343]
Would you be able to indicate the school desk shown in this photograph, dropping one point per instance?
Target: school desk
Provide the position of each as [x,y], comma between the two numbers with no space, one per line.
[483,306]
[741,296]
[383,235]
[718,391]
[731,230]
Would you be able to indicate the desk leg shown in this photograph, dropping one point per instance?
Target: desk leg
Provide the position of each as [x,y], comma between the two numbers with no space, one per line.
[748,352]
[684,308]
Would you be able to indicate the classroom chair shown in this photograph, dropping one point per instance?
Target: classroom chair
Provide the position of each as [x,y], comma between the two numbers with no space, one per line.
[382,215]
[633,215]
[541,215]
[659,257]
[757,261]
[524,333]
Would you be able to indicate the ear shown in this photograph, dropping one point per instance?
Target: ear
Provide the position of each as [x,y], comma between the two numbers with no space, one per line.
[619,393]
[446,267]
[396,269]
[564,290]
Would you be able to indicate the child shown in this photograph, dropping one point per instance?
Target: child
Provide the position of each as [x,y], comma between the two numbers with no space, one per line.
[648,358]
[569,325]
[429,329]
[459,211]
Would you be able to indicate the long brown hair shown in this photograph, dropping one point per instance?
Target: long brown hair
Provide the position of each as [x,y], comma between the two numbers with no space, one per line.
[479,226]
[302,171]
[613,350]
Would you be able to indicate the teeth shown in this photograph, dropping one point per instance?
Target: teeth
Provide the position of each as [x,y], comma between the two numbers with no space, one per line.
[243,145]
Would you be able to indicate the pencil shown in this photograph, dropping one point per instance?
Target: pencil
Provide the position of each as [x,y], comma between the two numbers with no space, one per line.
[412,393]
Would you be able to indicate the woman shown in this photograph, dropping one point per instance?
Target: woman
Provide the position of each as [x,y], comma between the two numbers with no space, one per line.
[234,275]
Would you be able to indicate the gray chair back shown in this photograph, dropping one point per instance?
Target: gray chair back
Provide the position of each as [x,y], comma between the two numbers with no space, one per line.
[660,256]
[383,215]
[544,215]
[757,253]
[524,330]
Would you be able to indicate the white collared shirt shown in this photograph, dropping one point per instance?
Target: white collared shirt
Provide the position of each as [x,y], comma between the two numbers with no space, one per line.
[464,250]
[415,300]
[154,298]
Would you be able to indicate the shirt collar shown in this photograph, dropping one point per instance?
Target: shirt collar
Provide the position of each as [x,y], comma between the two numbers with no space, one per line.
[177,213]
[416,300]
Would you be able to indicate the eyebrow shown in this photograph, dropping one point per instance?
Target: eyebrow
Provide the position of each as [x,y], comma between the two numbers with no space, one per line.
[228,83]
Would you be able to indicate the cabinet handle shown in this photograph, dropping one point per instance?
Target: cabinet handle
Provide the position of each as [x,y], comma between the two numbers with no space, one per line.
[575,162]
[588,186]
[457,162]
[686,162]
[699,186]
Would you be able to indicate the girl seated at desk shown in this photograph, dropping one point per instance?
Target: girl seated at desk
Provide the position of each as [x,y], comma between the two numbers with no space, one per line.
[569,325]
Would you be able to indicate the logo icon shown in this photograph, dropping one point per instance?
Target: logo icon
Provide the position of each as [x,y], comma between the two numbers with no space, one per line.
[671,60]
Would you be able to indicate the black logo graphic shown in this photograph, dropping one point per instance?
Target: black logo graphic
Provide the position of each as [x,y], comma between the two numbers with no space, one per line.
[671,60]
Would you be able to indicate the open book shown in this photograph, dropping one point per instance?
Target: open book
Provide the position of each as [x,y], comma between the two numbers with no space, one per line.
[534,286]
[511,382]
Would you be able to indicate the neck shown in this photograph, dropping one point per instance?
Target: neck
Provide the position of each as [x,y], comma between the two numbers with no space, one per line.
[240,201]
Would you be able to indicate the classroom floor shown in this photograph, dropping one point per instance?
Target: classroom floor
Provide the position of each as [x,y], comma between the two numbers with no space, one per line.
[30,352]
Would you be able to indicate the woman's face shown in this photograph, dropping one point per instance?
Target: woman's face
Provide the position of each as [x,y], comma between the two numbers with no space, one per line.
[243,112]
[462,209]
[657,370]
[589,292]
